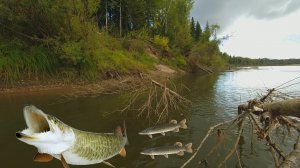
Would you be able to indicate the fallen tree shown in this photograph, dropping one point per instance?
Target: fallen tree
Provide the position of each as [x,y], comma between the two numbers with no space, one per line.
[265,115]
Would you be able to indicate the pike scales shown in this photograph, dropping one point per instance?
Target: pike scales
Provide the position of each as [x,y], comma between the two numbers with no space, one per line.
[178,149]
[52,137]
[163,128]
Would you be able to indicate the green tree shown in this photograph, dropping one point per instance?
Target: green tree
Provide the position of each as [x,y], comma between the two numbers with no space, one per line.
[198,32]
[207,33]
[192,28]
[213,29]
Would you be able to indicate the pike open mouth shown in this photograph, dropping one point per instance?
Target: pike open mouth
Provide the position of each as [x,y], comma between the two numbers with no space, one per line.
[36,122]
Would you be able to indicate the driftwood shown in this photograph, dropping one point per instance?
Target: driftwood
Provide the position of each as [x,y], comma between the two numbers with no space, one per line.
[169,90]
[286,107]
[272,115]
[205,69]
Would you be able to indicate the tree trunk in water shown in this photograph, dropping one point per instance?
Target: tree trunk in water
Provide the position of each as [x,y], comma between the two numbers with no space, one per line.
[287,107]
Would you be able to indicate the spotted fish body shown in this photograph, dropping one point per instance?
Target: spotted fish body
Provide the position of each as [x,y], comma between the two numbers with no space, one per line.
[91,148]
[52,137]
[178,149]
[163,128]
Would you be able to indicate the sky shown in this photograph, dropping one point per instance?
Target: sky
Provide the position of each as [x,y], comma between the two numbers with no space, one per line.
[258,28]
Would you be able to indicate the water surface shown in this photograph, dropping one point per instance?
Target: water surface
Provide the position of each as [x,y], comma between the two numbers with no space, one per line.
[214,99]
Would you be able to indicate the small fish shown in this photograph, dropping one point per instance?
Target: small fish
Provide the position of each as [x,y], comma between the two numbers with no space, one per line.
[161,129]
[53,138]
[178,149]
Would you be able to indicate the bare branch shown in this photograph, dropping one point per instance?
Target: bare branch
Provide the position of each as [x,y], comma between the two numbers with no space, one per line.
[210,130]
[235,145]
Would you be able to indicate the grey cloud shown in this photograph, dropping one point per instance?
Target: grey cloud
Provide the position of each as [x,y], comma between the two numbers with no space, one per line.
[268,9]
[224,12]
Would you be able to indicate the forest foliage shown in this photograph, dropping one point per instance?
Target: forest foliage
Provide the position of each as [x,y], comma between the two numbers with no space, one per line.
[91,40]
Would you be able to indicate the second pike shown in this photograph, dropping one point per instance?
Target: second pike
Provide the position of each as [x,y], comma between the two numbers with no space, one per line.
[163,128]
[178,149]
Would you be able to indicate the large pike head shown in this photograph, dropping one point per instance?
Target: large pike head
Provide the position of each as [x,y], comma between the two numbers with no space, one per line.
[45,132]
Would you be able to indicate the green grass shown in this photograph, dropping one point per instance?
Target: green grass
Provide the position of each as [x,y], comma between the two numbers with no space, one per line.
[89,59]
[175,61]
[19,61]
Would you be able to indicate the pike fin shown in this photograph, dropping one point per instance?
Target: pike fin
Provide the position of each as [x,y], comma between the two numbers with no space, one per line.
[173,122]
[162,133]
[118,131]
[188,148]
[63,161]
[42,157]
[152,156]
[183,124]
[150,135]
[176,130]
[179,144]
[125,133]
[181,153]
[108,164]
[122,152]
[166,156]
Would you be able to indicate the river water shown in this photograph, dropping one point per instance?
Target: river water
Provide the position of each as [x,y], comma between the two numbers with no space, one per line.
[214,99]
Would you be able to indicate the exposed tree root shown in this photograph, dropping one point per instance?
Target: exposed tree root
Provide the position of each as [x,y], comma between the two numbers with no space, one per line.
[159,101]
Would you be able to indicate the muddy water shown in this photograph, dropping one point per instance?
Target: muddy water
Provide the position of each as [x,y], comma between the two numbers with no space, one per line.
[214,99]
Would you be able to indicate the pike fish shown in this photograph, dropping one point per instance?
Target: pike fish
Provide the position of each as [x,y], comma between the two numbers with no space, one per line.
[163,128]
[178,149]
[53,138]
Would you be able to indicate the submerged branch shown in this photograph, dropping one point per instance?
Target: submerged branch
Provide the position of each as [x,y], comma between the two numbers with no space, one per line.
[290,122]
[209,132]
[293,159]
[235,145]
[170,91]
[275,147]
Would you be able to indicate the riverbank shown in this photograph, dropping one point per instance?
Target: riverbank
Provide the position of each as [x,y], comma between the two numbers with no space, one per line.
[106,86]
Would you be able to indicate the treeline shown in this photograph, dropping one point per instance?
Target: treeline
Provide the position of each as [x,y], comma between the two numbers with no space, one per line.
[95,39]
[244,61]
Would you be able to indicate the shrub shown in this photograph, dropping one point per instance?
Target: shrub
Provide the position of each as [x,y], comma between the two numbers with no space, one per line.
[141,34]
[161,41]
[135,46]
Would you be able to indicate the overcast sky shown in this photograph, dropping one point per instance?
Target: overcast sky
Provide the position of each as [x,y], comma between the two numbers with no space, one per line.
[259,28]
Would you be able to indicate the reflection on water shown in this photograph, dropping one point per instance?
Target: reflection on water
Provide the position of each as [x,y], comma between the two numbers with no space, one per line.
[215,98]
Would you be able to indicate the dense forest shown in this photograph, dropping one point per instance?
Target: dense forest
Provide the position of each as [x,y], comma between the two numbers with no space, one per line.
[87,40]
[243,61]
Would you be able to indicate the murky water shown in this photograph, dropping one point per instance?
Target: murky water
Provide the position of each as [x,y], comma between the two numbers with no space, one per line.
[215,99]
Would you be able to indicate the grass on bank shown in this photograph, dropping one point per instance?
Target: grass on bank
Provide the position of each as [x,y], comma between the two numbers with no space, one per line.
[91,59]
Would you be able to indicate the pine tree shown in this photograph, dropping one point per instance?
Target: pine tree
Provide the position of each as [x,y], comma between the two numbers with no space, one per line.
[198,32]
[193,28]
[206,33]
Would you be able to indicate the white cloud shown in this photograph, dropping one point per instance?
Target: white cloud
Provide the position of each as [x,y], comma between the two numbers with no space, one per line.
[276,38]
